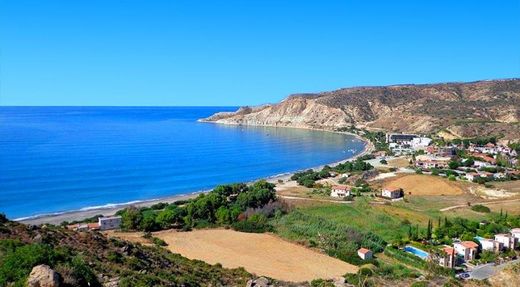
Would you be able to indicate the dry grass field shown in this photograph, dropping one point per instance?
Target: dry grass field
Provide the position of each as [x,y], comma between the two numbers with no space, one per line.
[399,162]
[418,184]
[262,254]
[136,237]
[509,186]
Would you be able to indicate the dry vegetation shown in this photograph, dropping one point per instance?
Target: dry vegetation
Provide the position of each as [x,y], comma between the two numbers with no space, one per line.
[263,254]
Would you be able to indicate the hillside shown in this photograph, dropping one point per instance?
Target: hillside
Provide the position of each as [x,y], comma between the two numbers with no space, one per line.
[90,259]
[480,108]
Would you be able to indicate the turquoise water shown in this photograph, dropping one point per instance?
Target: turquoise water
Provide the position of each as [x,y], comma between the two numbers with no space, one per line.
[56,159]
[416,251]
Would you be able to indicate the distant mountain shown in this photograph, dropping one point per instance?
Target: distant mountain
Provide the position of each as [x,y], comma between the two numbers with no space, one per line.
[452,110]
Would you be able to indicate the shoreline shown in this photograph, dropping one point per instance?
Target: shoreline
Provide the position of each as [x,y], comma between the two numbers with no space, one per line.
[111,209]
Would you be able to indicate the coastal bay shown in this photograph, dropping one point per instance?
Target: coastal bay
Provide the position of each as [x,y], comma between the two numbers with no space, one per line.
[108,164]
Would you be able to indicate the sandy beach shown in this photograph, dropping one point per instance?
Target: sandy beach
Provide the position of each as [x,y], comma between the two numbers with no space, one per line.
[111,210]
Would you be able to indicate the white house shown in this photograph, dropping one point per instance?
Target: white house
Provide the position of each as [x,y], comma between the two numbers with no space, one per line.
[364,253]
[508,240]
[112,222]
[392,192]
[420,143]
[466,249]
[490,244]
[516,233]
[447,257]
[340,191]
[480,164]
[499,175]
[471,176]
[430,161]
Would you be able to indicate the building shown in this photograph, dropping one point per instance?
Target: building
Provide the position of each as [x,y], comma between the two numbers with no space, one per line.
[392,192]
[490,244]
[484,157]
[399,138]
[466,249]
[447,257]
[499,175]
[420,143]
[471,176]
[516,233]
[83,226]
[431,161]
[112,222]
[508,240]
[364,253]
[340,191]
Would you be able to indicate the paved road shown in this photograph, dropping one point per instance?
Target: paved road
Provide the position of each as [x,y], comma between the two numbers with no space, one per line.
[487,270]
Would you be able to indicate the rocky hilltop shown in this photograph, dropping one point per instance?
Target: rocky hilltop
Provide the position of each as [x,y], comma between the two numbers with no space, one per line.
[452,110]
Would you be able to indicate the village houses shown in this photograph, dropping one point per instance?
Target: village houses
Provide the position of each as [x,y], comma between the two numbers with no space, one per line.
[340,191]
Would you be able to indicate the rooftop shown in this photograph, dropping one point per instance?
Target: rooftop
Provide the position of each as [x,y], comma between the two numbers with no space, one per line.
[469,244]
[392,188]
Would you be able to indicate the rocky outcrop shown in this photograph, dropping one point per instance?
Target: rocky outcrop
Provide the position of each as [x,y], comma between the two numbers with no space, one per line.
[466,109]
[43,276]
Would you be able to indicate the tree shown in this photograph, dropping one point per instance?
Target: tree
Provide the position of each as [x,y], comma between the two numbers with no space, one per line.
[223,215]
[170,215]
[131,218]
[429,230]
[148,222]
[453,164]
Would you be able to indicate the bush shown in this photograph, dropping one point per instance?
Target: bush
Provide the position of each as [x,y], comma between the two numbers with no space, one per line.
[3,218]
[480,208]
[321,283]
[257,223]
[159,242]
[19,260]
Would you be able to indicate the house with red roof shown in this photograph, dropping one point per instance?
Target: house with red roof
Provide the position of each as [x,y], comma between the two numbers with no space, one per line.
[466,249]
[447,257]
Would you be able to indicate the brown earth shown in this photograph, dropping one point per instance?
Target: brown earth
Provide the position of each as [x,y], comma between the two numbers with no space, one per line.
[417,184]
[263,254]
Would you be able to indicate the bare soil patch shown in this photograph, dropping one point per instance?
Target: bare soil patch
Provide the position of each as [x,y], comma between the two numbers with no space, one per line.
[399,162]
[418,184]
[136,237]
[263,254]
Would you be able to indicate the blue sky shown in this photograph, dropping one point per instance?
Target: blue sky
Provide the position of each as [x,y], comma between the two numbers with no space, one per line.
[168,53]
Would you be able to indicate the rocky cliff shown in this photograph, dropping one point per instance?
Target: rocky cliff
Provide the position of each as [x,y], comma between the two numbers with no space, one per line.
[451,109]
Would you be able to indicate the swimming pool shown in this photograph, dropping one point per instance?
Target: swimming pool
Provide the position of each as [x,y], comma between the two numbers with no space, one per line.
[417,252]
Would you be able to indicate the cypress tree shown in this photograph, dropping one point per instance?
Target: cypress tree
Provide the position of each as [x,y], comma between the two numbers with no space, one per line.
[429,230]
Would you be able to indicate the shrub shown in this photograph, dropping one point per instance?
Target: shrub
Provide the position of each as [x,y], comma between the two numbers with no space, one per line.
[257,223]
[159,242]
[321,283]
[3,218]
[480,208]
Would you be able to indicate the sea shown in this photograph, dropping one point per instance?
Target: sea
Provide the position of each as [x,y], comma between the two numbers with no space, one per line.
[59,159]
